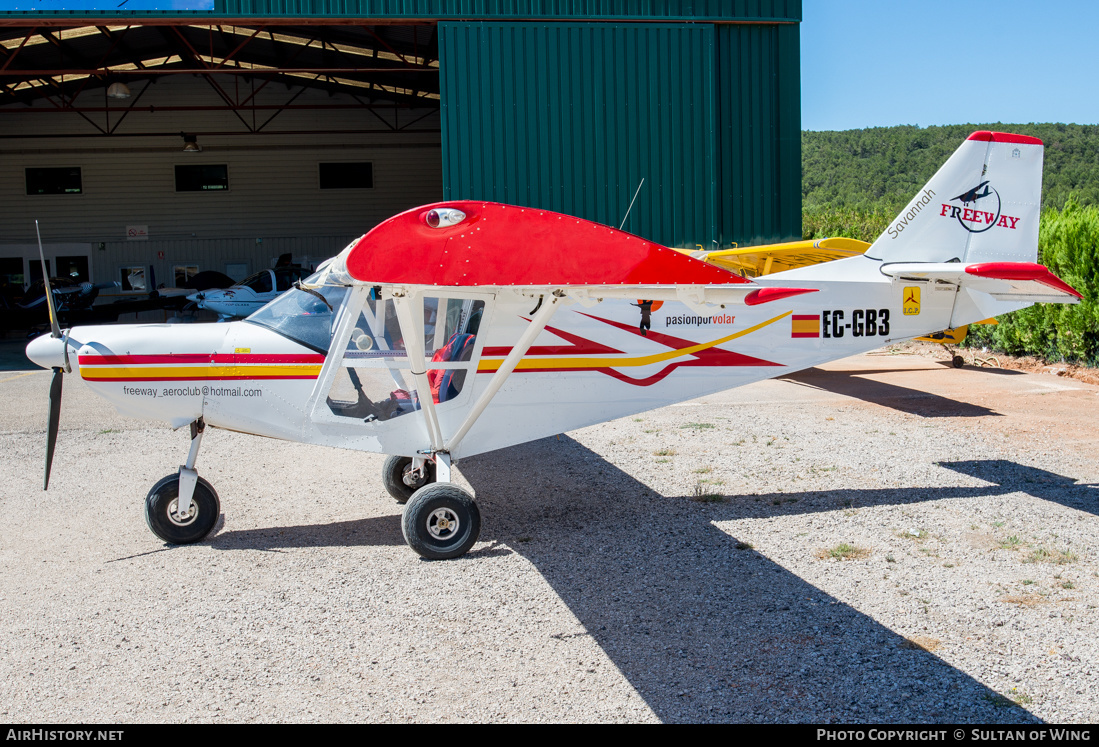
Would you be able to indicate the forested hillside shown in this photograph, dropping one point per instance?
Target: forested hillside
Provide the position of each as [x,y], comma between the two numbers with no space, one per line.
[855,182]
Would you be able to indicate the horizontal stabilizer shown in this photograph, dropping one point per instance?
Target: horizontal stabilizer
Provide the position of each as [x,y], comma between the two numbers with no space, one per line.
[1004,281]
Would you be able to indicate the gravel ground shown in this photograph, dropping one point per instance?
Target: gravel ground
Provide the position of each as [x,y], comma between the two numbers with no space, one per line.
[677,566]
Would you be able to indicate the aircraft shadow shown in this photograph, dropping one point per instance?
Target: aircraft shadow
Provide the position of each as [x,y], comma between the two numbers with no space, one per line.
[1007,477]
[1012,477]
[375,532]
[911,401]
[705,631]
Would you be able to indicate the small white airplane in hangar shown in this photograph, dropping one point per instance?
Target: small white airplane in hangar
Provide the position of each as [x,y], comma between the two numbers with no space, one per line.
[249,295]
[462,327]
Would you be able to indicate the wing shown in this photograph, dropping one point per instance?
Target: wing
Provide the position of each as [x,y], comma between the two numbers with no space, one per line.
[755,261]
[485,245]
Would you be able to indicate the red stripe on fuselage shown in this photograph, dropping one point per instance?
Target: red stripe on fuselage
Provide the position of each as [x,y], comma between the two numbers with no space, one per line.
[711,357]
[184,358]
[579,346]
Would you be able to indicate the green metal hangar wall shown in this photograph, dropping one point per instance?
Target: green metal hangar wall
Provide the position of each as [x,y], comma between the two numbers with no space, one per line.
[223,135]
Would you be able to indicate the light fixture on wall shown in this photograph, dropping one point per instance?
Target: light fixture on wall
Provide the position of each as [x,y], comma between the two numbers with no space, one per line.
[190,143]
[118,91]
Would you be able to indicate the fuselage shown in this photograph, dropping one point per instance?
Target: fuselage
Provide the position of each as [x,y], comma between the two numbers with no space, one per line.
[589,365]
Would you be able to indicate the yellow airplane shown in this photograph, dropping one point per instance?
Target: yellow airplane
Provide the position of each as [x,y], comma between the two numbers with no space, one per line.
[756,261]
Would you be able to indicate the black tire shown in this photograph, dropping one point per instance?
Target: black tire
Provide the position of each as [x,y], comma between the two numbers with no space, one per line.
[441,521]
[958,361]
[161,502]
[393,477]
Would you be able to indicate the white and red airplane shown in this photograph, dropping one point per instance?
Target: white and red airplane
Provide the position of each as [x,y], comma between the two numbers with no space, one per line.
[462,327]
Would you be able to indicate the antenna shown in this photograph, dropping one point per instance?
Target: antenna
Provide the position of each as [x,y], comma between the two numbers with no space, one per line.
[627,215]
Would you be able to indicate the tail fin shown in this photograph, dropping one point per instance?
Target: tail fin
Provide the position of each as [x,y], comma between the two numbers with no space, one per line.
[983,205]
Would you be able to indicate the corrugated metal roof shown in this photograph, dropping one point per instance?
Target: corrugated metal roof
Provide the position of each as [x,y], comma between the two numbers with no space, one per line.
[765,11]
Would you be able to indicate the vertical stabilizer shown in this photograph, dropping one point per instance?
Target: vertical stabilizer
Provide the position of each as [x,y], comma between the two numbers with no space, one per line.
[983,205]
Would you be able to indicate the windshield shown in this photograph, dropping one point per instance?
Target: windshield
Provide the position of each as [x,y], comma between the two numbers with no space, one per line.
[308,317]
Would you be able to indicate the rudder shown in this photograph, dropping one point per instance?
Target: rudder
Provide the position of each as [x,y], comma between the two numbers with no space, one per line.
[982,205]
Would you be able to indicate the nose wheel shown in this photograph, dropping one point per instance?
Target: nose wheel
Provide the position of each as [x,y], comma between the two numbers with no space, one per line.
[441,521]
[183,508]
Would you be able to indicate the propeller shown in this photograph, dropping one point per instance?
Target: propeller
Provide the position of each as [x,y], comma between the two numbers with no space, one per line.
[58,371]
[55,418]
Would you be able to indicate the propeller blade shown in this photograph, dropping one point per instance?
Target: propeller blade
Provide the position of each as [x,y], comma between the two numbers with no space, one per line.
[55,418]
[54,326]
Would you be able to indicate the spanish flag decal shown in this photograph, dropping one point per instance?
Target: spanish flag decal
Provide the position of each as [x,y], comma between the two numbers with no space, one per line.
[805,325]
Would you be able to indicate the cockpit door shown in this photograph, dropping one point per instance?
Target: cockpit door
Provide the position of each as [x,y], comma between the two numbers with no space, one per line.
[403,356]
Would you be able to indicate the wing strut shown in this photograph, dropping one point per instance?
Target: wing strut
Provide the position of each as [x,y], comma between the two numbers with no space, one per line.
[410,313]
[537,324]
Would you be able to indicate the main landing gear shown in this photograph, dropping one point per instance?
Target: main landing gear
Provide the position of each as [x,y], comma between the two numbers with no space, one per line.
[440,520]
[183,508]
[403,476]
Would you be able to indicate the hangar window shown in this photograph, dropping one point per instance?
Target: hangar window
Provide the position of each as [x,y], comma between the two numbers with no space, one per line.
[54,181]
[11,272]
[183,274]
[202,177]
[358,175]
[133,278]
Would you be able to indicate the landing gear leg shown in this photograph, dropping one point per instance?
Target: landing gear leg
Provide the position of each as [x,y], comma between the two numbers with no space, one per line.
[440,520]
[182,508]
[955,360]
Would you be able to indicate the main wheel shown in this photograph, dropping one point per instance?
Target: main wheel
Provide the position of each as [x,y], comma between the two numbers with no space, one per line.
[163,517]
[441,521]
[398,480]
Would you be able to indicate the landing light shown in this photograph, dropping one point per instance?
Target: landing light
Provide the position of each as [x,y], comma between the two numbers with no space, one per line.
[444,218]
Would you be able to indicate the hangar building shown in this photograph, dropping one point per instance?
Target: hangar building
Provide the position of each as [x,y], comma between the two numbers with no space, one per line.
[229,132]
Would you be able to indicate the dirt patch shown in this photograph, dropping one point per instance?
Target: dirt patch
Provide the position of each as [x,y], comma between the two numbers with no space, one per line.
[1025,600]
[981,541]
[922,642]
[979,359]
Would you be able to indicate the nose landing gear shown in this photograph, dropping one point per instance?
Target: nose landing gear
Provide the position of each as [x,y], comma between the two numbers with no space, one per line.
[183,508]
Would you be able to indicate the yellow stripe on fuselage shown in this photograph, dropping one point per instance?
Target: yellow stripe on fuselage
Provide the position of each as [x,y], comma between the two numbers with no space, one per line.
[644,360]
[181,373]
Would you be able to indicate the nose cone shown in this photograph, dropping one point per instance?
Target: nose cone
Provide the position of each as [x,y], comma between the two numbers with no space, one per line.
[47,351]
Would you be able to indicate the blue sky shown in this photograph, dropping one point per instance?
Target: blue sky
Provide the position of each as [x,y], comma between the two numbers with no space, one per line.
[876,63]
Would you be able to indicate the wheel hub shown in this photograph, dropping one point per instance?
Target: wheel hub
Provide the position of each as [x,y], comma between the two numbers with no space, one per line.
[182,520]
[413,478]
[442,523]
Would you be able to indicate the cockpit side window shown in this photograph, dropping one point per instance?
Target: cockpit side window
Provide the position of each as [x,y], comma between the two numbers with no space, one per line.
[305,315]
[260,282]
